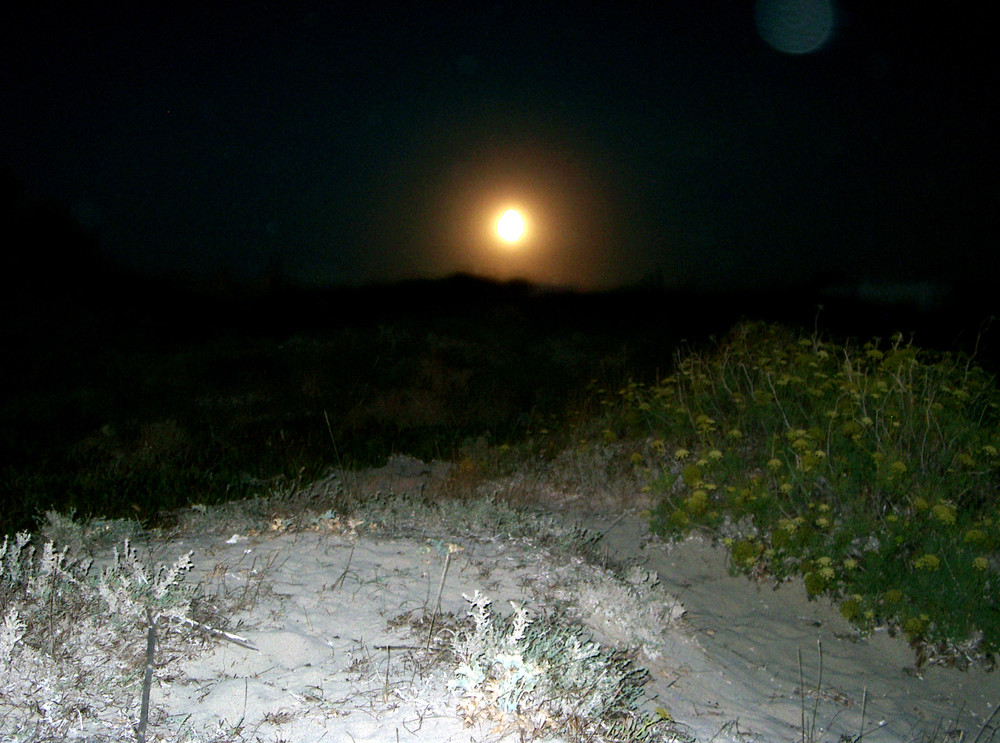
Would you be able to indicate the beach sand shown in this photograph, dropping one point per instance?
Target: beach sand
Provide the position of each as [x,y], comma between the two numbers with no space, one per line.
[345,639]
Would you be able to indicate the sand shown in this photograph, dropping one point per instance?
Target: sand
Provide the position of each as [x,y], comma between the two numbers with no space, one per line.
[338,615]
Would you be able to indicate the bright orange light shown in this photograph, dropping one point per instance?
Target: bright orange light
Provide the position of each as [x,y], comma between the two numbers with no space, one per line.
[563,237]
[511,226]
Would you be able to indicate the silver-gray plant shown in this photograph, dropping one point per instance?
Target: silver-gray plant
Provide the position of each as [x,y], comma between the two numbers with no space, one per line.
[71,643]
[543,675]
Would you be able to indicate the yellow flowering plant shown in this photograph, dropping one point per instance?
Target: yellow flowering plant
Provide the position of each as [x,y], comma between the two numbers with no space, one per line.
[864,470]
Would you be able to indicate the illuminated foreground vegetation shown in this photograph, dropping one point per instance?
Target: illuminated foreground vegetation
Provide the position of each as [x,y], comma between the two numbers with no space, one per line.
[871,471]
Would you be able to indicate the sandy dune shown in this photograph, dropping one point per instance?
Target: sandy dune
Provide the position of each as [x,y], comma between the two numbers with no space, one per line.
[341,632]
[346,627]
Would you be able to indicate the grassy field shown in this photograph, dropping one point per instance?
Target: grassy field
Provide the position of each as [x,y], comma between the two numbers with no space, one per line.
[868,466]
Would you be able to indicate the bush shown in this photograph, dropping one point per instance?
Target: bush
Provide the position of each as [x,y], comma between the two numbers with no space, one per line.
[72,639]
[543,676]
[870,471]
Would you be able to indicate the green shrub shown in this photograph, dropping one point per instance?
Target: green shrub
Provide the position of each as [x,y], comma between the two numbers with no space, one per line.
[871,471]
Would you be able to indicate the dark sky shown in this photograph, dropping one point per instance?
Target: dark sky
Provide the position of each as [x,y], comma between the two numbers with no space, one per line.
[351,145]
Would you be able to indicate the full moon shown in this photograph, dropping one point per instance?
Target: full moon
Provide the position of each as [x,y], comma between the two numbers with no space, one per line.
[511,225]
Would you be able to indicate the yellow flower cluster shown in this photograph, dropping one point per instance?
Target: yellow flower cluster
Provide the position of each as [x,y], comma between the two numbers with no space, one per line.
[945,513]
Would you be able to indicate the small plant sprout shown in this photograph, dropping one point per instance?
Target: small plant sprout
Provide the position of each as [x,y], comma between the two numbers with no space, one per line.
[449,550]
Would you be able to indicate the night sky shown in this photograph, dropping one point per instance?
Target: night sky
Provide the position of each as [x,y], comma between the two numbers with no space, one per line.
[708,144]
